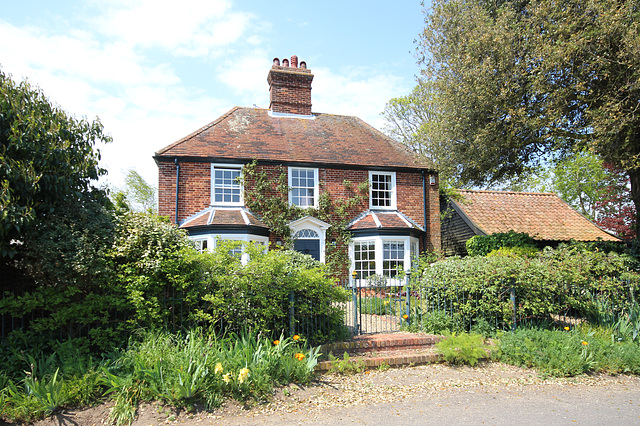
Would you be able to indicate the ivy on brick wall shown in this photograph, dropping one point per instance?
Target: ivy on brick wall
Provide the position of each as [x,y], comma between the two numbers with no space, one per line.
[267,196]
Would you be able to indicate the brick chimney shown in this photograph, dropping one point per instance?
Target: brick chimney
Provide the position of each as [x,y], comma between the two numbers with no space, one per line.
[290,87]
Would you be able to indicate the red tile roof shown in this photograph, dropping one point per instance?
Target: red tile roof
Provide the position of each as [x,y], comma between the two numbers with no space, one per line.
[253,133]
[544,216]
[223,216]
[381,220]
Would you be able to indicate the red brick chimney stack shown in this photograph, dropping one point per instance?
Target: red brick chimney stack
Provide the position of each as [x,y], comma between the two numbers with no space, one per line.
[290,87]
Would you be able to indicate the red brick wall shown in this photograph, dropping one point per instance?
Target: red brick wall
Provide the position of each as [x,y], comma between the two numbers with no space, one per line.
[195,193]
[290,90]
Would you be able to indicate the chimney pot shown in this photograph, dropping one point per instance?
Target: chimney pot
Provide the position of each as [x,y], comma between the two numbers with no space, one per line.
[276,61]
[290,88]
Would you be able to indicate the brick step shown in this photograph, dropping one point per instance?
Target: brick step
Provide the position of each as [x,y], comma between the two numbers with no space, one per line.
[382,342]
[389,358]
[374,350]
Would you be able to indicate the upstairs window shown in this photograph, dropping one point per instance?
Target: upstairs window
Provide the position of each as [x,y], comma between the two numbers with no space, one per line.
[382,190]
[226,187]
[304,187]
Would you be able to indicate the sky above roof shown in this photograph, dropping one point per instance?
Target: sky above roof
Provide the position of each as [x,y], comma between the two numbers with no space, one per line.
[154,71]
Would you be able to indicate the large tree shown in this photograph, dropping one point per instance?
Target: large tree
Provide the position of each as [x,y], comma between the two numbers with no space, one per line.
[519,82]
[48,167]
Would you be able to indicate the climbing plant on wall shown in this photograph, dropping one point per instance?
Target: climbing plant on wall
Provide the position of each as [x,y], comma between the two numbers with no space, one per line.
[266,195]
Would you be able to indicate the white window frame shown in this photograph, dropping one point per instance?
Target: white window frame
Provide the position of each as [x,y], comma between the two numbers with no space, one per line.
[213,239]
[393,195]
[237,167]
[316,187]
[379,240]
[202,244]
[316,225]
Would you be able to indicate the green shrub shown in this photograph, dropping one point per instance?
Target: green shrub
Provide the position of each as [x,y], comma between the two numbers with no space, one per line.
[481,245]
[237,295]
[555,281]
[570,353]
[514,252]
[463,348]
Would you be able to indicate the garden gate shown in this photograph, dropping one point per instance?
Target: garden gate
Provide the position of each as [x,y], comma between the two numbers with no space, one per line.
[378,304]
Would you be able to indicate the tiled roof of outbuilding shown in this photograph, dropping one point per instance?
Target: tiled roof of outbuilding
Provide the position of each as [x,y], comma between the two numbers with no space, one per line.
[544,216]
[254,133]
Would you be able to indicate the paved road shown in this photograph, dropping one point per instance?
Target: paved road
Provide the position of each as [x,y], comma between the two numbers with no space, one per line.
[597,406]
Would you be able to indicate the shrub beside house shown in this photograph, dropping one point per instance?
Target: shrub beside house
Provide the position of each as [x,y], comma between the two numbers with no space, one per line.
[329,185]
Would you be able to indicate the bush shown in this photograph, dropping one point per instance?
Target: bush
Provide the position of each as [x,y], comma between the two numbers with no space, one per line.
[255,294]
[481,245]
[569,353]
[556,281]
[514,252]
[463,348]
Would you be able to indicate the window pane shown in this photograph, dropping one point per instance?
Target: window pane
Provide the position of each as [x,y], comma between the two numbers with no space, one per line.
[226,186]
[364,256]
[393,252]
[303,187]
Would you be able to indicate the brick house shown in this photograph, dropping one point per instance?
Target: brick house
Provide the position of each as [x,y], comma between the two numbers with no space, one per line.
[351,189]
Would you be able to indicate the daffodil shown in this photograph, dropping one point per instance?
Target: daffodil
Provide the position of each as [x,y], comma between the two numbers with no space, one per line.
[243,375]
[218,369]
[227,378]
[567,328]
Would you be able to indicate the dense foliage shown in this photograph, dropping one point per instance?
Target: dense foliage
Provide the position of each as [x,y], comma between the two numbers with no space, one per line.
[570,279]
[512,84]
[570,352]
[482,245]
[176,369]
[48,164]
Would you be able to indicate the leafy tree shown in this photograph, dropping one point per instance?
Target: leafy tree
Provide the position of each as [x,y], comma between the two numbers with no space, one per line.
[142,196]
[519,82]
[47,163]
[616,212]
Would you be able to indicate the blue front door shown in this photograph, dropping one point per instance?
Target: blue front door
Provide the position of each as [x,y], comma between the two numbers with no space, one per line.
[310,247]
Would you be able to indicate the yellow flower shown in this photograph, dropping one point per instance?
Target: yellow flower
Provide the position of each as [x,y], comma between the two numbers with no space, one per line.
[585,343]
[276,342]
[218,369]
[405,316]
[299,356]
[567,328]
[227,378]
[296,337]
[243,375]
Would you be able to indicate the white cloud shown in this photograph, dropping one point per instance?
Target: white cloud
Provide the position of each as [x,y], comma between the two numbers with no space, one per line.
[362,92]
[189,27]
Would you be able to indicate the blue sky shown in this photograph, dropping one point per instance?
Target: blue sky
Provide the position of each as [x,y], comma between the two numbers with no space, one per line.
[154,71]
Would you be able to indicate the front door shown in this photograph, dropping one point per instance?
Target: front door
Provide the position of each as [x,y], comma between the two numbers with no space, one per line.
[310,247]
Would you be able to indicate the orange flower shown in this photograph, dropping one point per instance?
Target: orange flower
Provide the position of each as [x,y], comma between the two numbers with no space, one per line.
[585,343]
[405,316]
[296,337]
[276,342]
[299,356]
